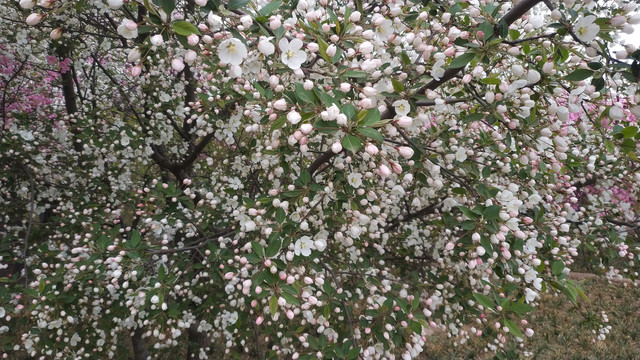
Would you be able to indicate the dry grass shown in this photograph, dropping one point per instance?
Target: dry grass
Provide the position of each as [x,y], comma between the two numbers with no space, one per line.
[563,331]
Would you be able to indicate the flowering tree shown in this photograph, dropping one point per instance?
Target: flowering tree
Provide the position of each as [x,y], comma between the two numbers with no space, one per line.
[310,179]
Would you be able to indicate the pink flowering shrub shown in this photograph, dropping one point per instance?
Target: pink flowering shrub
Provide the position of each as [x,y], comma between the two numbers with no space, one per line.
[310,179]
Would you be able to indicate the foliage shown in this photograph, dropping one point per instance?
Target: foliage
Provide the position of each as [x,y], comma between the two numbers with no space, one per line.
[310,179]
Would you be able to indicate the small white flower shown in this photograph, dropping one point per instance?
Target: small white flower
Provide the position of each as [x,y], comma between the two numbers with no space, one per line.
[354,179]
[215,21]
[437,71]
[265,46]
[292,55]
[115,4]
[128,29]
[155,299]
[303,246]
[294,117]
[232,51]
[586,30]
[402,107]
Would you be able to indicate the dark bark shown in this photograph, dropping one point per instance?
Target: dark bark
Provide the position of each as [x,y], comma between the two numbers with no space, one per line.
[140,350]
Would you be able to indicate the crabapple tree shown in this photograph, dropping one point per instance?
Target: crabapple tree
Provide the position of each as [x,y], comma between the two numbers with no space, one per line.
[308,178]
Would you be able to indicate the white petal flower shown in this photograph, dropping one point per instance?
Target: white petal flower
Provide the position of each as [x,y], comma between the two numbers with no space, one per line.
[437,71]
[303,246]
[232,51]
[402,107]
[265,46]
[586,30]
[128,29]
[292,55]
[354,179]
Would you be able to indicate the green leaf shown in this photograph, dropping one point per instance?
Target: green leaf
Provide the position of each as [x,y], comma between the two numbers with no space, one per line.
[513,328]
[257,248]
[305,177]
[273,248]
[557,267]
[629,132]
[490,81]
[135,239]
[492,212]
[462,60]
[355,74]
[371,118]
[467,212]
[579,75]
[236,4]
[487,29]
[483,300]
[351,143]
[278,123]
[273,305]
[280,215]
[290,298]
[416,327]
[521,308]
[167,5]
[305,96]
[349,110]
[185,28]
[370,133]
[270,8]
[397,85]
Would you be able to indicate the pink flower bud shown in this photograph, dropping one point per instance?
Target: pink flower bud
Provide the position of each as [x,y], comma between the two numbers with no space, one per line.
[336,147]
[130,25]
[404,121]
[331,50]
[306,128]
[308,85]
[193,39]
[384,171]
[274,23]
[136,70]
[345,87]
[313,47]
[177,64]
[259,320]
[55,34]
[405,151]
[34,19]
[280,104]
[371,149]
[201,2]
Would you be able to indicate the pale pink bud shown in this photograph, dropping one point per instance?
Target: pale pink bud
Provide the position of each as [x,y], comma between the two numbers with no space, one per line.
[134,55]
[404,121]
[190,56]
[201,2]
[130,25]
[294,117]
[331,50]
[336,147]
[355,16]
[156,40]
[306,128]
[34,19]
[371,149]
[193,39]
[259,320]
[274,23]
[308,85]
[384,171]
[55,34]
[313,47]
[27,4]
[280,104]
[345,87]
[115,4]
[136,70]
[177,64]
[405,151]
